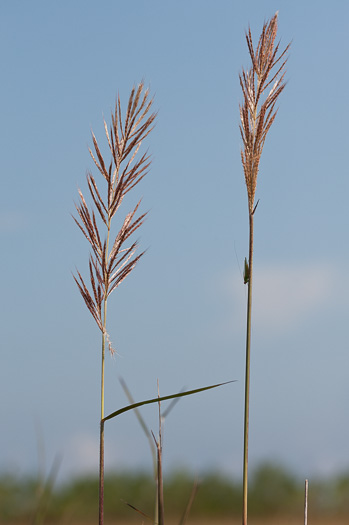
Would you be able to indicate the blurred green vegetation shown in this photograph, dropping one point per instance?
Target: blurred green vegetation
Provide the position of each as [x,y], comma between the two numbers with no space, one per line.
[273,491]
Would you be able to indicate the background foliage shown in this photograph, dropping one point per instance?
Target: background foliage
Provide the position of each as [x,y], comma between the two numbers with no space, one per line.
[274,491]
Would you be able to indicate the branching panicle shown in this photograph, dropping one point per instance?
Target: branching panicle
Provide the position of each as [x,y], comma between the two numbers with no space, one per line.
[109,267]
[258,112]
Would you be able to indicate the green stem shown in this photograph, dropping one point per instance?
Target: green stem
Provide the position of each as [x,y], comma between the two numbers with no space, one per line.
[101,474]
[247,372]
[101,439]
[101,430]
[160,492]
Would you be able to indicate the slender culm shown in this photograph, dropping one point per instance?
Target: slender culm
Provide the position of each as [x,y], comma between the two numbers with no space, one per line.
[112,258]
[261,86]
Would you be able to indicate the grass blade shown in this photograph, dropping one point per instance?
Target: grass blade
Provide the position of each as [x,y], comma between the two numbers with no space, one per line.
[163,398]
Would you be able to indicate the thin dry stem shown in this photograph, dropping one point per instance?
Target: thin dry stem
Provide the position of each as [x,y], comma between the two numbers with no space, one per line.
[306,502]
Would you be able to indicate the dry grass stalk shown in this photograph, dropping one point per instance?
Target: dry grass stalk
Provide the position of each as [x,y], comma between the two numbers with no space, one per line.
[257,114]
[111,261]
[306,502]
[159,482]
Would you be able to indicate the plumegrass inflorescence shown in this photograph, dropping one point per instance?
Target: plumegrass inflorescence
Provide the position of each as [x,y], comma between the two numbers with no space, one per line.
[109,267]
[257,113]
[112,260]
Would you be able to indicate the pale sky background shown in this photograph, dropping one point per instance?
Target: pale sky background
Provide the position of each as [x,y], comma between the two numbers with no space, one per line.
[180,316]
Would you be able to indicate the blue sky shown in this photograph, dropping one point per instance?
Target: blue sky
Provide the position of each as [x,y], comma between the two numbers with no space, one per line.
[180,316]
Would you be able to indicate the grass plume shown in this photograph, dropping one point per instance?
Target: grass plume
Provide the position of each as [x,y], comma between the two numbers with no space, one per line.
[113,258]
[261,86]
[258,112]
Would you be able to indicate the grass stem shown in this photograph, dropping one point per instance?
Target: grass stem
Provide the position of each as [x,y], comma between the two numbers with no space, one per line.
[111,261]
[101,475]
[247,371]
[257,113]
[306,503]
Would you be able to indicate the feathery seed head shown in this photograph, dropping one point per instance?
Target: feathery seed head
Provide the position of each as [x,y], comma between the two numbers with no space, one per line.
[111,262]
[257,112]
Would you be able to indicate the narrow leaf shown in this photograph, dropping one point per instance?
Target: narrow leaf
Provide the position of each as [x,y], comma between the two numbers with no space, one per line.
[163,398]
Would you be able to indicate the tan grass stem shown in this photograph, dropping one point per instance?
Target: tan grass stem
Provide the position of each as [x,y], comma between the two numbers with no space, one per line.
[257,114]
[306,488]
